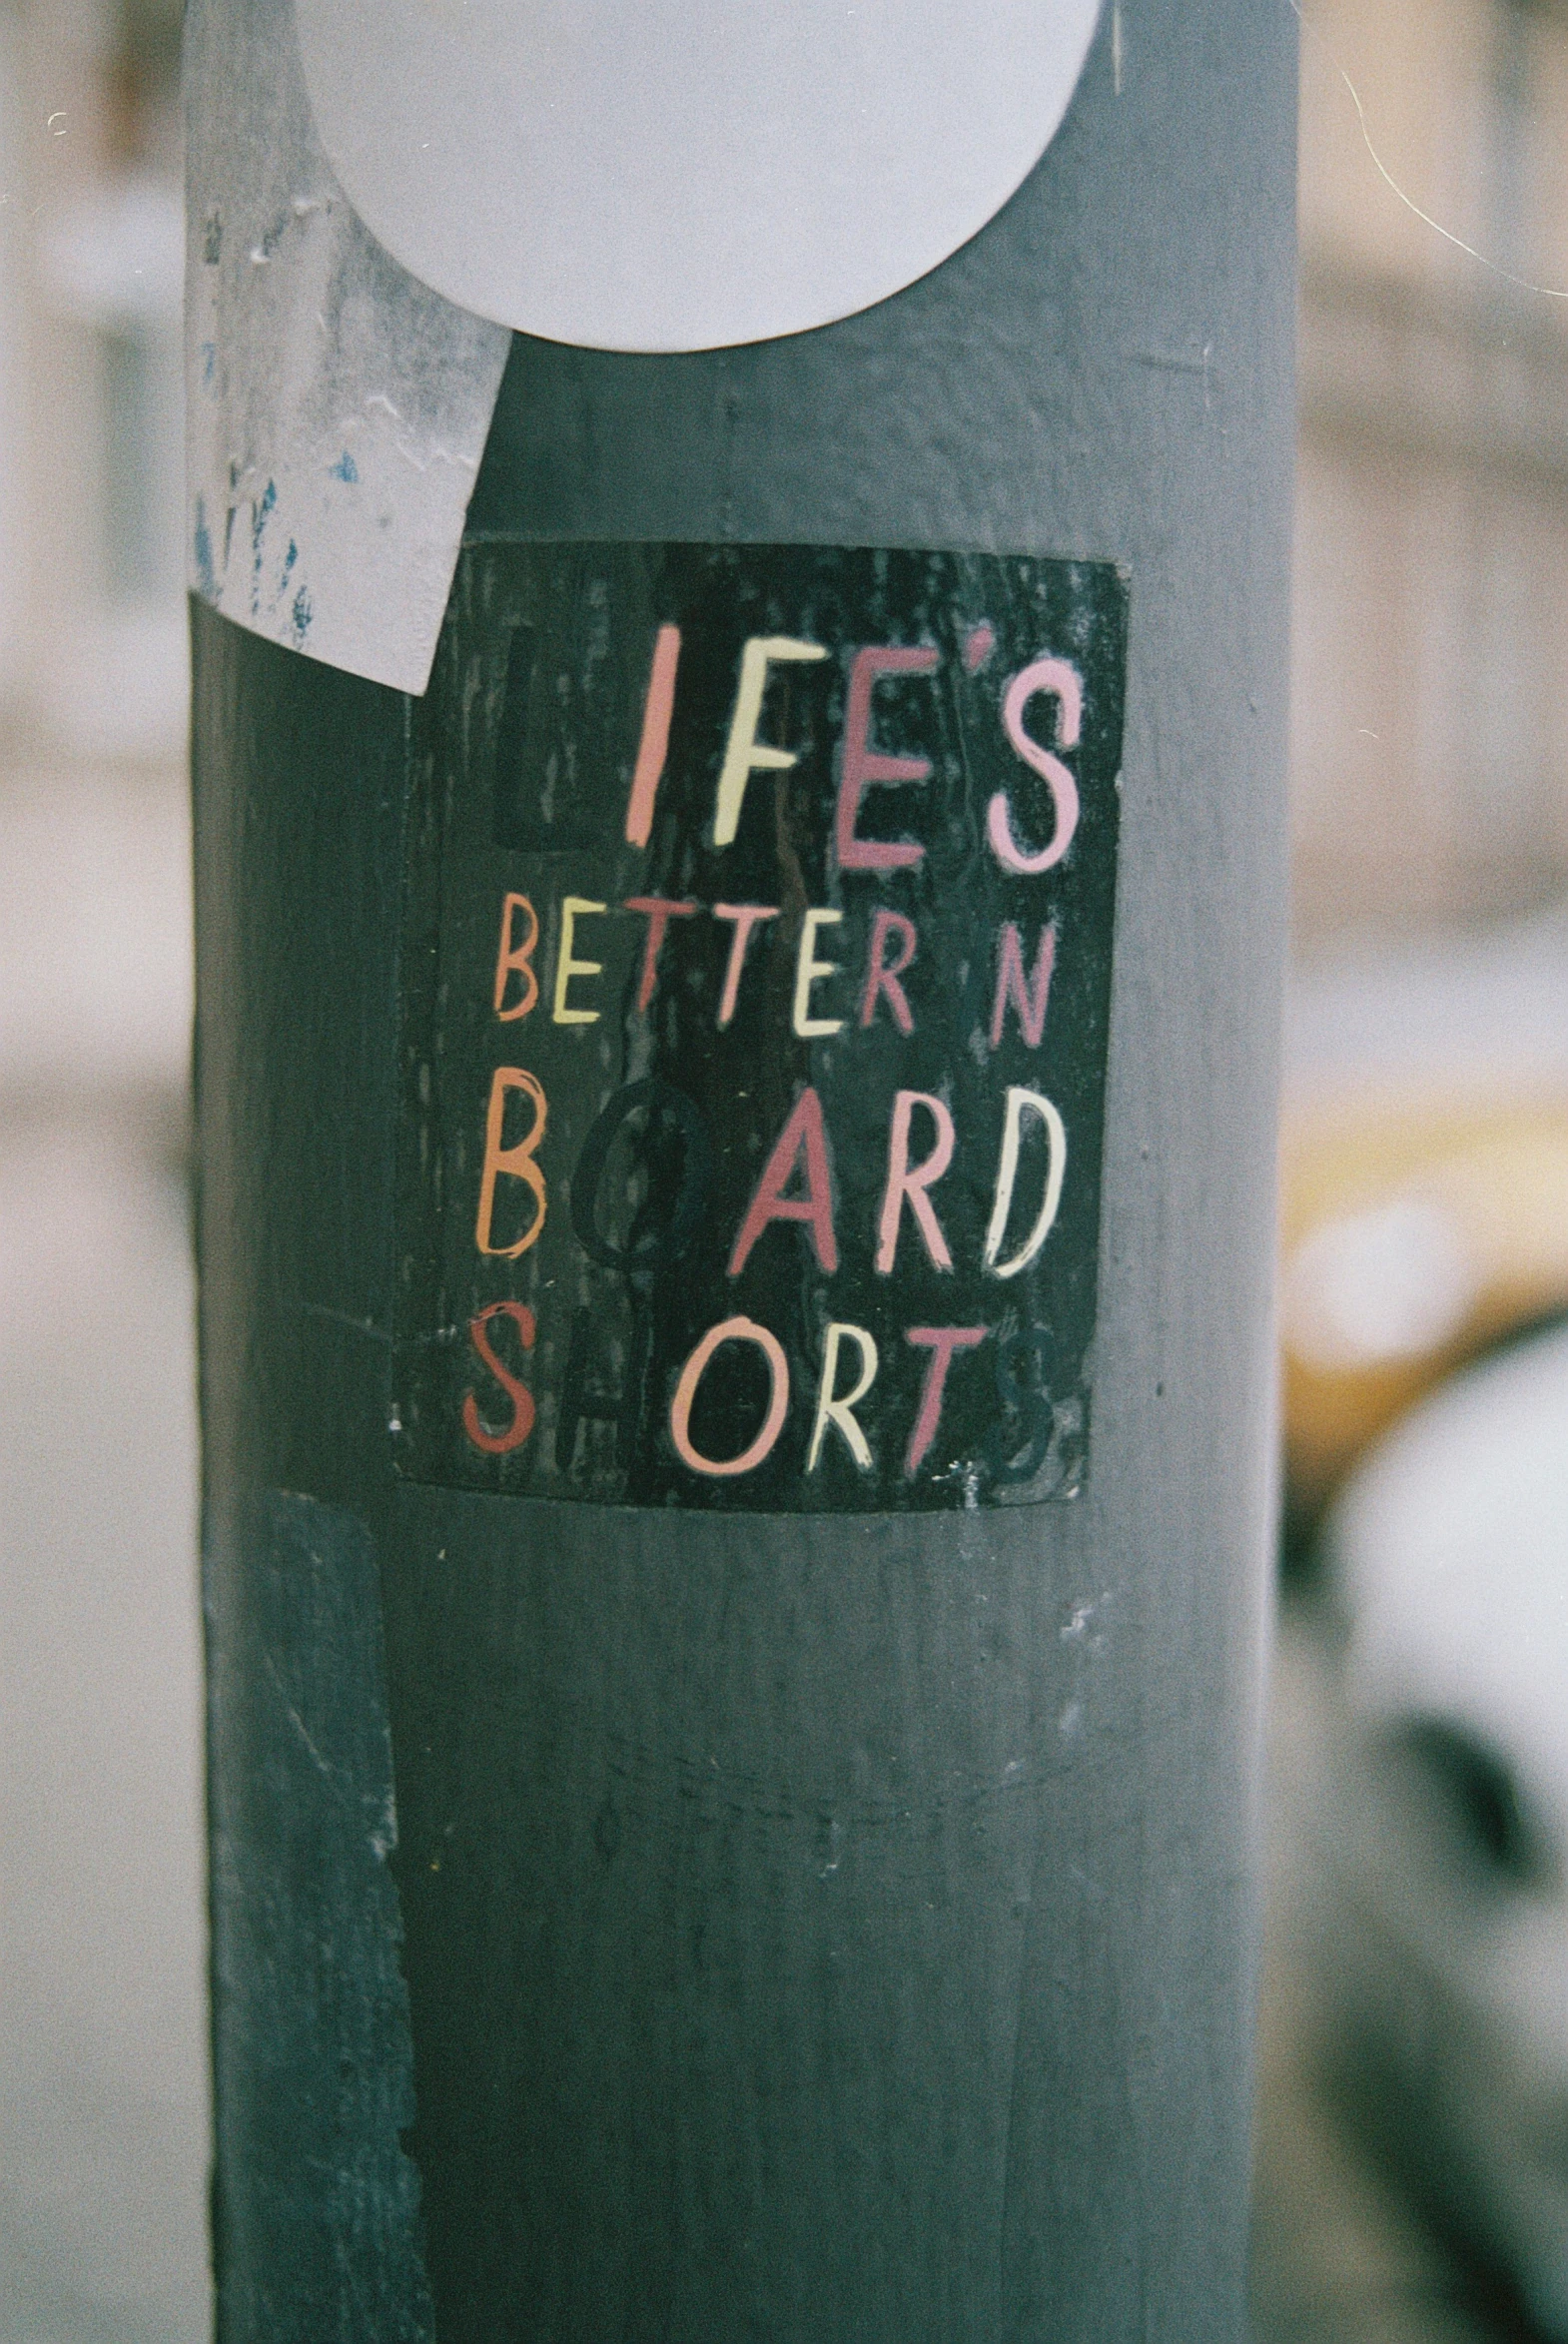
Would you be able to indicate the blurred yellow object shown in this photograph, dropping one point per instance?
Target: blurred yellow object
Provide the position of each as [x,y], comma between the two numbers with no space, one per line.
[1414,1235]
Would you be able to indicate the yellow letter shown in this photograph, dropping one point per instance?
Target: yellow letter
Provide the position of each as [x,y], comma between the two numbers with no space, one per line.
[745,754]
[840,1412]
[574,908]
[1007,1173]
[807,971]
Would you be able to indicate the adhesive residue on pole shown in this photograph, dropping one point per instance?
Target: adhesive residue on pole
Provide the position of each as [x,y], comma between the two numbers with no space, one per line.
[756,986]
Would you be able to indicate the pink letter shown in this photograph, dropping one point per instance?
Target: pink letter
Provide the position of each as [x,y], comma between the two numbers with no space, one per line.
[943,1341]
[864,764]
[902,1182]
[979,644]
[882,979]
[745,916]
[803,1140]
[655,736]
[1029,1002]
[658,911]
[1058,678]
[732,1331]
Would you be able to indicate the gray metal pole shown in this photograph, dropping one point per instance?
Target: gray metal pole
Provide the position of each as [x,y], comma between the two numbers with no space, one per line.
[809,1916]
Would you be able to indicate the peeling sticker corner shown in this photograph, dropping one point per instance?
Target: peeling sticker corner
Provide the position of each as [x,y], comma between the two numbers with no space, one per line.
[336,408]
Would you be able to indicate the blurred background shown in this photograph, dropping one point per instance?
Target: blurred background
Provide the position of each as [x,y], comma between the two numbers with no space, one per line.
[1412,2131]
[102,2058]
[1414,2127]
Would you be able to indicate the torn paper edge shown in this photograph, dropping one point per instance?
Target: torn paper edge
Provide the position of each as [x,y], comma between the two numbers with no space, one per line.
[336,408]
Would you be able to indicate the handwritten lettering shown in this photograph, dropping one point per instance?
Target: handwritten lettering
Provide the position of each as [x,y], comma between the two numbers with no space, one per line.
[732,1331]
[512,1436]
[744,754]
[516,1162]
[839,1409]
[516,958]
[879,1019]
[1028,1000]
[1061,681]
[801,1145]
[862,764]
[908,1185]
[574,908]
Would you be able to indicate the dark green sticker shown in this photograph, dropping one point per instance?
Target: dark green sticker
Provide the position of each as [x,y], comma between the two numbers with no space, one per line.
[756,979]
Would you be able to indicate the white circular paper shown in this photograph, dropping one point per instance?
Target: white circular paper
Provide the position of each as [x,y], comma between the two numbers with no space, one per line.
[664,175]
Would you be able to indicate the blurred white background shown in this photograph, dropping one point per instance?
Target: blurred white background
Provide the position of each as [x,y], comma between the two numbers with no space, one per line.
[103,2070]
[1430,801]
[1425,1206]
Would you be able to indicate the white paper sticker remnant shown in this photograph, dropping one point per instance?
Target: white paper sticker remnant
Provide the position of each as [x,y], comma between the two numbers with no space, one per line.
[659,175]
[336,408]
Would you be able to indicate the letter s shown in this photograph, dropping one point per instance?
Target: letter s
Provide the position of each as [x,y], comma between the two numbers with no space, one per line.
[499,1444]
[1061,681]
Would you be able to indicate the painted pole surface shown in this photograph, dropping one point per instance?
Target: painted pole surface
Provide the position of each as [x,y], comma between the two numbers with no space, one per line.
[828,1917]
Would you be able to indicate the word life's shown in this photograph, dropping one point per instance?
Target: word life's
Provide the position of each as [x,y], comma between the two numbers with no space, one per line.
[762,1075]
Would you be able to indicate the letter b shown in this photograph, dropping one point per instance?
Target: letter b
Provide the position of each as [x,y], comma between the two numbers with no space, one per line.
[516,1162]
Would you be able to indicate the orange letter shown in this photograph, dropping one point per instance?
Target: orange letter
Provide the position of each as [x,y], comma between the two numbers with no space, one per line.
[516,1161]
[732,1331]
[516,955]
[497,1444]
[902,1182]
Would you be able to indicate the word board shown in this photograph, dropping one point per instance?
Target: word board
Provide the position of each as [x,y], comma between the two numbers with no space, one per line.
[756,980]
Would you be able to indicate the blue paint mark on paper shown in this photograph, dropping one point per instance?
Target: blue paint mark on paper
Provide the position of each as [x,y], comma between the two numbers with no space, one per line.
[209,363]
[261,514]
[300,616]
[345,469]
